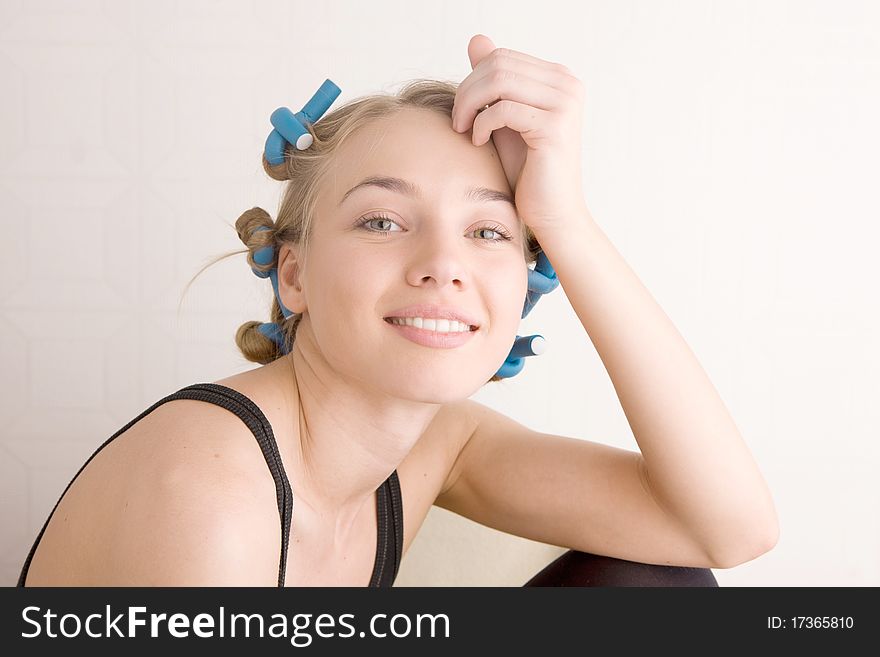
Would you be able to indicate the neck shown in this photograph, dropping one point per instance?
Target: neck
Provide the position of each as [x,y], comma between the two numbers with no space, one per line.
[349,437]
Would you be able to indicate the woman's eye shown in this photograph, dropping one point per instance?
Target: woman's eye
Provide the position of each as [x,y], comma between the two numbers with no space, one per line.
[503,235]
[369,220]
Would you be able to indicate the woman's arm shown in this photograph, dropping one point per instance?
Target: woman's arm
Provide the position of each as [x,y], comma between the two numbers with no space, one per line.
[696,462]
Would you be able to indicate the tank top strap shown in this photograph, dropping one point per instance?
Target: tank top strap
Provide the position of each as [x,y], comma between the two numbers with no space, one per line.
[389,517]
[256,421]
[397,518]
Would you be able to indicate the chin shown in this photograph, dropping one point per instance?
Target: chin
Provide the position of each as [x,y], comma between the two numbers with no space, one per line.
[431,389]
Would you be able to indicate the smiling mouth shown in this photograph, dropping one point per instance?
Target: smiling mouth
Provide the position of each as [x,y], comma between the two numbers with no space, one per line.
[472,327]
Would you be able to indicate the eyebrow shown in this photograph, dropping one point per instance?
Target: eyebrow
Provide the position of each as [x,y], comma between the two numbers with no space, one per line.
[476,193]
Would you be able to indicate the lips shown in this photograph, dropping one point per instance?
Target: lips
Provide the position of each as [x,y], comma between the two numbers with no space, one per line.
[389,320]
[435,311]
[433,339]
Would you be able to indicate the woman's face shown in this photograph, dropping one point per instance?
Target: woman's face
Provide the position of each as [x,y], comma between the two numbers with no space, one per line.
[436,246]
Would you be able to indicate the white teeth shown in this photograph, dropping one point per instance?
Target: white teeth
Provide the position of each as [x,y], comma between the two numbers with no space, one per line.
[436,325]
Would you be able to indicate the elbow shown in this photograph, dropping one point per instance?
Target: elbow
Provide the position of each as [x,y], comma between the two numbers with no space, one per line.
[745,551]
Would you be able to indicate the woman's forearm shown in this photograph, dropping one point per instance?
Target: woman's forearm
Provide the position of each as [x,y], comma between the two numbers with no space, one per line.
[698,465]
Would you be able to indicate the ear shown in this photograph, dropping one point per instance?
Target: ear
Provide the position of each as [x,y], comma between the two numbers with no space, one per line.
[290,287]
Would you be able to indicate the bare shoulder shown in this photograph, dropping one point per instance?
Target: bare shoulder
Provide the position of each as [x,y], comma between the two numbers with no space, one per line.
[182,498]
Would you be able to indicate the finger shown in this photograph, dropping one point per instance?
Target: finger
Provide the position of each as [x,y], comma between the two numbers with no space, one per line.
[505,85]
[543,71]
[527,120]
[485,69]
[529,59]
[479,47]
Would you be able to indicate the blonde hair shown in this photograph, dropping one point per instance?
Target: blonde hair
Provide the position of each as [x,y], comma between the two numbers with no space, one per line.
[305,170]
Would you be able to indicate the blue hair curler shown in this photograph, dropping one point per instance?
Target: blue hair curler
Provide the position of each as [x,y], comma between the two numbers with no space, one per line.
[263,257]
[289,129]
[542,279]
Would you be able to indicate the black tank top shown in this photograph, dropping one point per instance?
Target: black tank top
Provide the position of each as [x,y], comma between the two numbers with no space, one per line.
[389,508]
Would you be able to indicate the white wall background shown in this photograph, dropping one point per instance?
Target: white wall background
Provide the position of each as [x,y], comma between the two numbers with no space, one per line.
[730,153]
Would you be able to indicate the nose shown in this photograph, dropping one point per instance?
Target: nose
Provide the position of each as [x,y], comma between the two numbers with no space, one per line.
[439,257]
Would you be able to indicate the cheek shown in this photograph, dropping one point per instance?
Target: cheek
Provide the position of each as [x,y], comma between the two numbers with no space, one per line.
[507,297]
[343,293]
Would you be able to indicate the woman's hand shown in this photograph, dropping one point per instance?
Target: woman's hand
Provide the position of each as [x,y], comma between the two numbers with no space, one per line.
[534,119]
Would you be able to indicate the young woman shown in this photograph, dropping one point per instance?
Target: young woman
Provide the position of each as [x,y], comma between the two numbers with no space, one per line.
[401,250]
